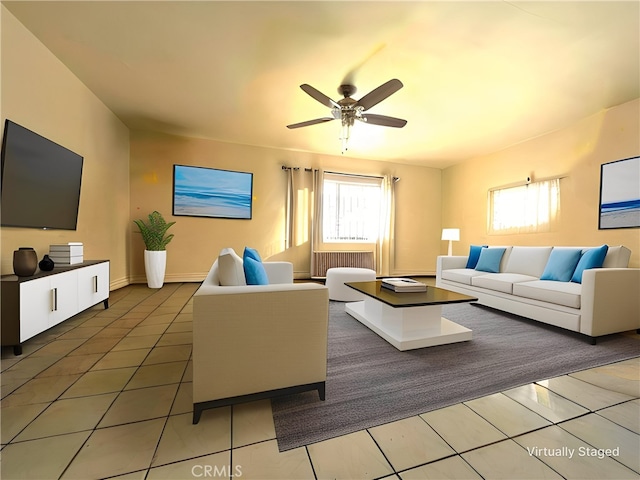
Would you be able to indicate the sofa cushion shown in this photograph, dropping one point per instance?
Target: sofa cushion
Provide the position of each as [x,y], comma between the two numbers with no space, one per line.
[559,293]
[501,282]
[561,265]
[592,258]
[489,260]
[528,260]
[461,275]
[254,272]
[617,257]
[474,255]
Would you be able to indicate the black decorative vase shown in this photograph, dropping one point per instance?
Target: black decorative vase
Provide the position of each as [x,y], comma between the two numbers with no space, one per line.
[46,264]
[25,261]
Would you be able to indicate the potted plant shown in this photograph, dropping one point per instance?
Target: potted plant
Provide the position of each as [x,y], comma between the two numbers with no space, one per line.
[154,235]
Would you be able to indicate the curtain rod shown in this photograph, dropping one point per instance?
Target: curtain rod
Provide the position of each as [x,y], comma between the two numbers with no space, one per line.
[354,174]
[529,181]
[284,167]
[306,169]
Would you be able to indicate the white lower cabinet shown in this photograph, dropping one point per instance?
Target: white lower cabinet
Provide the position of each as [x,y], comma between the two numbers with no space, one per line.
[35,308]
[93,285]
[47,301]
[31,305]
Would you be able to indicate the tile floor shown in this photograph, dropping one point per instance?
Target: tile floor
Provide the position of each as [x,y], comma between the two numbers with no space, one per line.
[108,394]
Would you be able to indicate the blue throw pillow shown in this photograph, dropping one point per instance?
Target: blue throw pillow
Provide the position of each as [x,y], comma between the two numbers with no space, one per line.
[592,258]
[489,260]
[474,255]
[561,264]
[254,272]
[251,253]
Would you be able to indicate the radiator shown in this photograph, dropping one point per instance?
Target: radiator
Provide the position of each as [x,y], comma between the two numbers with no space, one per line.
[323,261]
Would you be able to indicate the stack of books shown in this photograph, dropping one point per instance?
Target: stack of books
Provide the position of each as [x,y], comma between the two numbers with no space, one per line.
[68,254]
[403,285]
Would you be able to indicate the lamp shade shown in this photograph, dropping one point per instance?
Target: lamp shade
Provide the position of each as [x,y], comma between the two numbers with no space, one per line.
[451,234]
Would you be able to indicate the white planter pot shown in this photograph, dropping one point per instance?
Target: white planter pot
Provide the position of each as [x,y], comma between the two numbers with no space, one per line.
[155,264]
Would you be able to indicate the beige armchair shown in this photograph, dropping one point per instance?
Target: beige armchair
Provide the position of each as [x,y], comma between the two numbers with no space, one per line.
[252,342]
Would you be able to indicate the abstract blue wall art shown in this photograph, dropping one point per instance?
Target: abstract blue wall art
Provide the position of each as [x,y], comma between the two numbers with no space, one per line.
[210,192]
[620,194]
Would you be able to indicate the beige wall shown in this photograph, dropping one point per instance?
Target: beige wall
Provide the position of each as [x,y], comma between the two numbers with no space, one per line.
[198,241]
[123,181]
[40,93]
[577,151]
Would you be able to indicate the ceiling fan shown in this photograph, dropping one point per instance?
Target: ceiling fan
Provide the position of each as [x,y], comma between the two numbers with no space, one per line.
[348,110]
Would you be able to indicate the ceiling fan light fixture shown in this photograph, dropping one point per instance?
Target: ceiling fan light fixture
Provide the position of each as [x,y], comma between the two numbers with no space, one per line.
[345,129]
[347,109]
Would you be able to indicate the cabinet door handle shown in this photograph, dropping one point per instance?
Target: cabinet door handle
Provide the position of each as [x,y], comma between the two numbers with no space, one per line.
[54,300]
[95,284]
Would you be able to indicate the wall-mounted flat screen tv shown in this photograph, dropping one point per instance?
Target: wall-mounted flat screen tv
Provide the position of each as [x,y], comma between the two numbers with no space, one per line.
[210,192]
[40,181]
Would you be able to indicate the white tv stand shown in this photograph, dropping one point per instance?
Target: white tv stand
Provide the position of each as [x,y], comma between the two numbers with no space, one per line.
[31,305]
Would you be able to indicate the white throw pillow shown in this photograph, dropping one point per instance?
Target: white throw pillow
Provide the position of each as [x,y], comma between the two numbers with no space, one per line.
[230,270]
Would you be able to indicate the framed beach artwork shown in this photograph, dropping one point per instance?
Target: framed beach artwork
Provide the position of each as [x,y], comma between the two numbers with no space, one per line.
[210,192]
[620,194]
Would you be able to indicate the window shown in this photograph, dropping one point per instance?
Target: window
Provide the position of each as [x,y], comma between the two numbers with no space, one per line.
[523,209]
[351,208]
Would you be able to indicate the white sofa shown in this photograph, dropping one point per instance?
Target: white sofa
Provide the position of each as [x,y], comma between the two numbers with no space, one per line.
[257,341]
[605,302]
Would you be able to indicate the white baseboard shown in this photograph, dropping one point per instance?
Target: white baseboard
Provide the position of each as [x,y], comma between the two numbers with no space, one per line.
[185,277]
[173,278]
[118,283]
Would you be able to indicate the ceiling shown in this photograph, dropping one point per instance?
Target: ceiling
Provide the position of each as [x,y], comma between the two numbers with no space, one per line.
[478,76]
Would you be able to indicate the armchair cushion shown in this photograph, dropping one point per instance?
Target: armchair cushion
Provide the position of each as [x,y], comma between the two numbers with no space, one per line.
[251,253]
[254,272]
[230,269]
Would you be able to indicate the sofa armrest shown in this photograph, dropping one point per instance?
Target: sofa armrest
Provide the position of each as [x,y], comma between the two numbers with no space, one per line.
[610,301]
[444,262]
[258,338]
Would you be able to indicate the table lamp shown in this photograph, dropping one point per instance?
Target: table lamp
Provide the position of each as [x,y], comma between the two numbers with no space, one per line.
[451,234]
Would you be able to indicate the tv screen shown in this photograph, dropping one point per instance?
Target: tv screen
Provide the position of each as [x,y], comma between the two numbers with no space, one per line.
[40,181]
[209,192]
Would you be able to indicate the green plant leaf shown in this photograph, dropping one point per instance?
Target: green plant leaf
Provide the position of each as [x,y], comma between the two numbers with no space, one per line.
[154,233]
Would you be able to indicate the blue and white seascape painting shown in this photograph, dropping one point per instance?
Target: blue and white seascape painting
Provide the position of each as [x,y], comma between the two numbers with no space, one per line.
[208,192]
[620,194]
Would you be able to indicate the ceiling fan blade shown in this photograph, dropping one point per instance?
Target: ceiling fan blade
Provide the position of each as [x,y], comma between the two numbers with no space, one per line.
[383,91]
[350,77]
[319,96]
[310,122]
[384,120]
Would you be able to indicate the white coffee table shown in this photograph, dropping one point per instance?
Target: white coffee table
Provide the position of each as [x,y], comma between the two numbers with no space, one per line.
[408,320]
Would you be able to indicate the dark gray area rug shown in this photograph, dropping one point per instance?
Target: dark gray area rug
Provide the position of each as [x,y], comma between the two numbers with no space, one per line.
[370,383]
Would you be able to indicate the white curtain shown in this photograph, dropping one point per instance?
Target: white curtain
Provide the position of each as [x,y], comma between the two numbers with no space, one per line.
[386,240]
[316,216]
[531,208]
[290,210]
